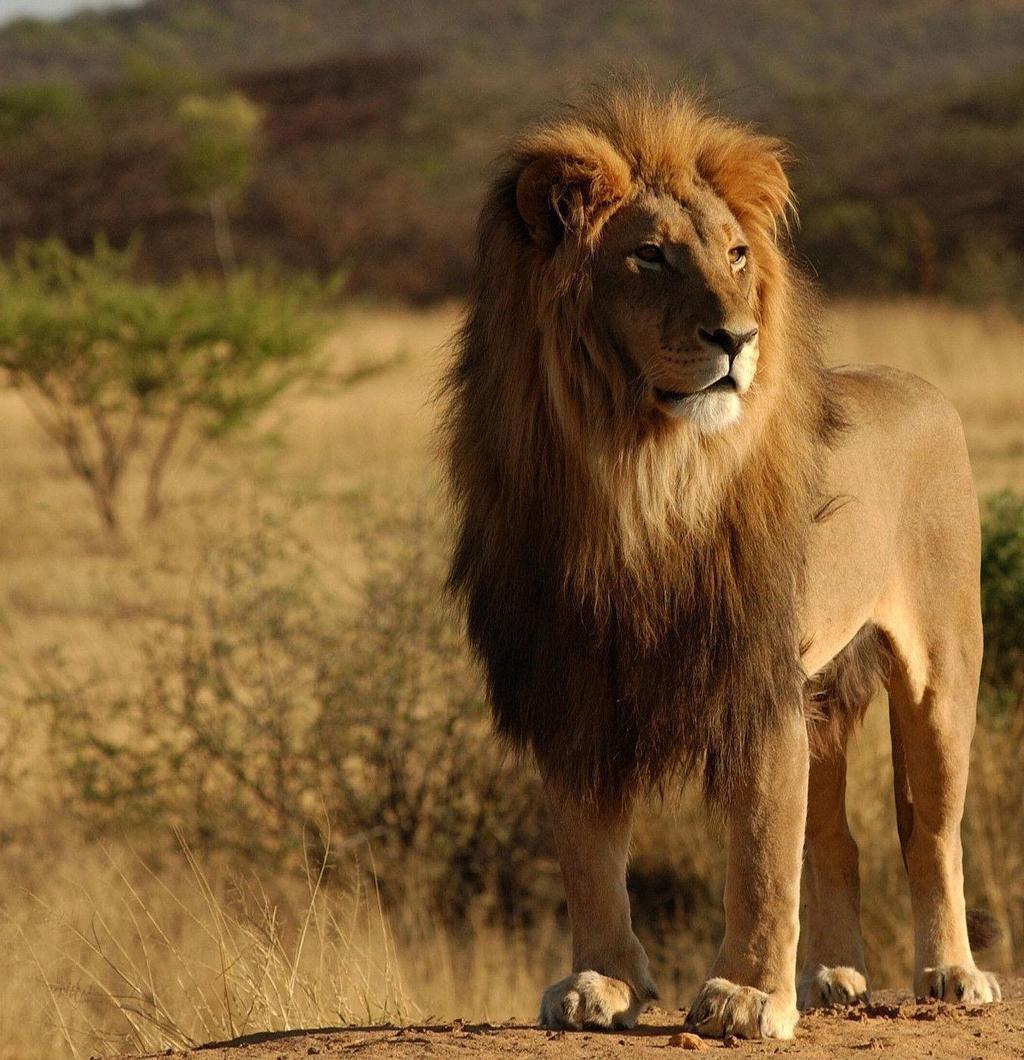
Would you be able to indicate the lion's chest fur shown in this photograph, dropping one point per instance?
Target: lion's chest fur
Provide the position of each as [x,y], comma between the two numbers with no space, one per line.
[655,671]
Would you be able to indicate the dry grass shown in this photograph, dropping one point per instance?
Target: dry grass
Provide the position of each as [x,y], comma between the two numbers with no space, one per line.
[103,947]
[119,954]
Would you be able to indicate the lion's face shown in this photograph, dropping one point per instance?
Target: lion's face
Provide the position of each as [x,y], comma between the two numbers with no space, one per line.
[653,232]
[673,299]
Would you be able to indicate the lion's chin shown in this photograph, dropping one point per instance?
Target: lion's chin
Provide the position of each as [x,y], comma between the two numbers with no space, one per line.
[709,412]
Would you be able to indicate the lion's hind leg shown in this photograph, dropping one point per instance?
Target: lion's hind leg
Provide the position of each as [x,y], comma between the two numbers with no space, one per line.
[932,725]
[834,970]
[931,747]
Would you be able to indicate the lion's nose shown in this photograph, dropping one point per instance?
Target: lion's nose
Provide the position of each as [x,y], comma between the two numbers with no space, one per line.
[729,341]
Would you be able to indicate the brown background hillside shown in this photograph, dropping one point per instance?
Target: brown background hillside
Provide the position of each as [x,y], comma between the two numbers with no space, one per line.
[381,121]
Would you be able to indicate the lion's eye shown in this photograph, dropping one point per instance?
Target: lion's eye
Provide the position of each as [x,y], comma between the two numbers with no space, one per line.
[738,258]
[649,254]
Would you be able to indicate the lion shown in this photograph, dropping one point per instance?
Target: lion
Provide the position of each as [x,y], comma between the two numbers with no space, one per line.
[685,546]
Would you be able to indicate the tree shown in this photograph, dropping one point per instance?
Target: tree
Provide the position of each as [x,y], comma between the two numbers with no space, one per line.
[115,369]
[217,165]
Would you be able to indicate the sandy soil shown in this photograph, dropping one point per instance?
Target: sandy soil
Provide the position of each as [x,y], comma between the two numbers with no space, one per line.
[891,1024]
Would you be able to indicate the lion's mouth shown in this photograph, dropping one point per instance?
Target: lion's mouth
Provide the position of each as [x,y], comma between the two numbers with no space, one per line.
[673,397]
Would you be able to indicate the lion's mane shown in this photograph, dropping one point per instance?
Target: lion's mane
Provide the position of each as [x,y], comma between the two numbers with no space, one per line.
[630,585]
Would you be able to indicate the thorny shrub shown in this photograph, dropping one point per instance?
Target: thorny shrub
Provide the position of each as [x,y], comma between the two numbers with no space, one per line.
[267,708]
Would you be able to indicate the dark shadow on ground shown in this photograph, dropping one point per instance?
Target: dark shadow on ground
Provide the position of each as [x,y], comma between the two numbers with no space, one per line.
[645,1030]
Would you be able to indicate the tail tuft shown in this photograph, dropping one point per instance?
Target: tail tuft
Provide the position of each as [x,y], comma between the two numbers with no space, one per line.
[983,930]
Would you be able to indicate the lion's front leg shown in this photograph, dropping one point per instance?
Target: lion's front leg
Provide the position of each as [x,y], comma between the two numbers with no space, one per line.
[610,982]
[751,991]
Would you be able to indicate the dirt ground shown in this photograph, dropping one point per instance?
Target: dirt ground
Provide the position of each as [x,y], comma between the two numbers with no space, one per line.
[892,1024]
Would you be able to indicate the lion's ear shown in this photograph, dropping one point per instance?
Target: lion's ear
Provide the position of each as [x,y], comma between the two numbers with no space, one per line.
[749,173]
[560,195]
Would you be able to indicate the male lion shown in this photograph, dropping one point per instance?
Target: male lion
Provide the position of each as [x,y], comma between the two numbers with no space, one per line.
[685,545]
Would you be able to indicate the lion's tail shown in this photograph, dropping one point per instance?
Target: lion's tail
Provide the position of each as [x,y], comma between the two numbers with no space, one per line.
[983,930]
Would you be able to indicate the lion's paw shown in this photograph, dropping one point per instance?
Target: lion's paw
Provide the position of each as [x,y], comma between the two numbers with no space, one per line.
[830,987]
[589,999]
[957,984]
[723,1008]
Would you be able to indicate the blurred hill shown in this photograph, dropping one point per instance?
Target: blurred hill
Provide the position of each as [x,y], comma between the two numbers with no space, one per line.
[380,120]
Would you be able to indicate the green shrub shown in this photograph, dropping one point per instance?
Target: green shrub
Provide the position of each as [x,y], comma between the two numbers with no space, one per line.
[1002,599]
[23,106]
[862,246]
[116,370]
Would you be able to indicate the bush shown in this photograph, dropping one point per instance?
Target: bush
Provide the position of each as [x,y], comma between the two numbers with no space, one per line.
[23,106]
[114,369]
[1002,600]
[266,708]
[862,246]
[986,270]
[991,825]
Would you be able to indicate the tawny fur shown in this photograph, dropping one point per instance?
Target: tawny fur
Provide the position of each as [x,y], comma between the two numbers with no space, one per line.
[630,585]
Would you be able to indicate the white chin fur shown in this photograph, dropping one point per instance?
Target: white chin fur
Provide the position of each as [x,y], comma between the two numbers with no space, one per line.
[709,413]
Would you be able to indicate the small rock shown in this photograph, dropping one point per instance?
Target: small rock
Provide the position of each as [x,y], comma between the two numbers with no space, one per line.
[686,1040]
[730,1041]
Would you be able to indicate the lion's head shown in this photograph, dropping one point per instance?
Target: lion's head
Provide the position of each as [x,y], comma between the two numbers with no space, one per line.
[637,414]
[662,226]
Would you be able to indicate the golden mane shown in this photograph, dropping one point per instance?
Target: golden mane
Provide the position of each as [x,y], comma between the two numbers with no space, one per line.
[630,585]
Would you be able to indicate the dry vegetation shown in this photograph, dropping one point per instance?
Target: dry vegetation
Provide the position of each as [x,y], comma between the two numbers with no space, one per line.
[244,763]
[907,120]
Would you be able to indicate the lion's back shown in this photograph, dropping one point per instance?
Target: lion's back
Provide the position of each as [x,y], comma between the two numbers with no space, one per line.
[898,419]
